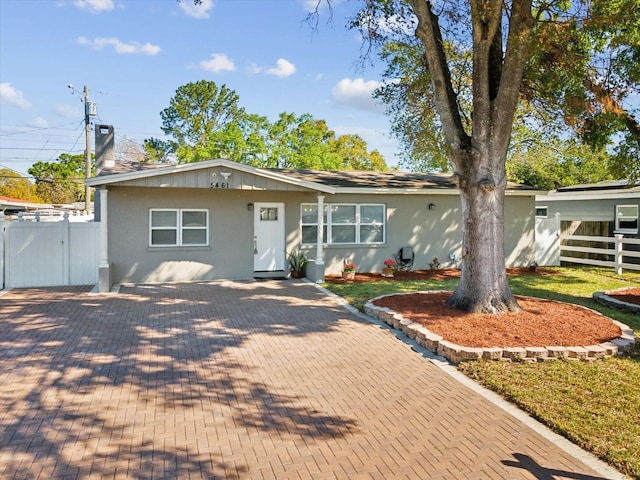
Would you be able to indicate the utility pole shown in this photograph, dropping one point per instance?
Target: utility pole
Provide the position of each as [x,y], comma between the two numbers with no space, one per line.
[87,151]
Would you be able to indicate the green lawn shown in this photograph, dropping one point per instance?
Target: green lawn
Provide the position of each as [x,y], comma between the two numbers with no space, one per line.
[594,404]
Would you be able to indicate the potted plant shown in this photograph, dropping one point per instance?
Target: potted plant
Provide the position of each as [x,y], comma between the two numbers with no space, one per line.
[297,261]
[349,271]
[389,267]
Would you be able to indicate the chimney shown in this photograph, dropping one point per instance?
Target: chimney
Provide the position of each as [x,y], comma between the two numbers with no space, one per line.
[105,147]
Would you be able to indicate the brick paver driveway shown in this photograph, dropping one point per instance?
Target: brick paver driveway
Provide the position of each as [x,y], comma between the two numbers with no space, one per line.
[240,380]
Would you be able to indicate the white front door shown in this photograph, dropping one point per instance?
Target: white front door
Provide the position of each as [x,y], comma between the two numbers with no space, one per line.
[268,237]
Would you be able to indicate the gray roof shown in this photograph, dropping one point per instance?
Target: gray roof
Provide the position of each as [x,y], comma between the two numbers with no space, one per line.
[368,179]
[606,185]
[393,180]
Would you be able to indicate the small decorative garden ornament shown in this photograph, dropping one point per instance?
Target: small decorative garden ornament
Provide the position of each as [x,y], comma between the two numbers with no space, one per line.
[389,267]
[349,271]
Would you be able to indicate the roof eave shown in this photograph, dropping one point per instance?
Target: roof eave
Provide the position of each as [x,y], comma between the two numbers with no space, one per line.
[187,167]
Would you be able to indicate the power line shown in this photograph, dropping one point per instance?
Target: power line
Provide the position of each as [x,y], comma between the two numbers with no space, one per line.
[33,130]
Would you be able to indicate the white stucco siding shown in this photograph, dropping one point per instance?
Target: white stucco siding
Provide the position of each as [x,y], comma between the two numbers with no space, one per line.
[432,233]
[435,233]
[229,254]
[519,232]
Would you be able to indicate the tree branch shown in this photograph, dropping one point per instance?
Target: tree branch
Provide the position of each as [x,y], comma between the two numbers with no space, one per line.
[428,32]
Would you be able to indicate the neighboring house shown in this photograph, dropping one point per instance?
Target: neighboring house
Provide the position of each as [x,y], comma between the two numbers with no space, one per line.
[595,210]
[598,209]
[16,209]
[13,206]
[220,219]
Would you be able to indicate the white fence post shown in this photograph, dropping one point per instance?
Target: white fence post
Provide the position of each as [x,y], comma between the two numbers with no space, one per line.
[617,249]
[2,240]
[66,249]
[618,252]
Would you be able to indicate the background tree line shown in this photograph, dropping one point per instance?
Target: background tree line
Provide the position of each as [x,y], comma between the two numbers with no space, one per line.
[205,121]
[58,182]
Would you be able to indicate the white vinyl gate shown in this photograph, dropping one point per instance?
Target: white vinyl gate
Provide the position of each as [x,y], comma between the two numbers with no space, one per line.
[44,254]
[548,241]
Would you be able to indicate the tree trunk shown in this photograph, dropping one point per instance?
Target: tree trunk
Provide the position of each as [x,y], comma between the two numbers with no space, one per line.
[479,158]
[483,286]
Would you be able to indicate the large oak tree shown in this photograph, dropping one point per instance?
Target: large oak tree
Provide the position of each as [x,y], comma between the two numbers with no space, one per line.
[500,36]
[556,46]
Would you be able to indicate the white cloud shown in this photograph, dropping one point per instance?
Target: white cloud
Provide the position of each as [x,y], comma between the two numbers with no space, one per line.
[95,6]
[38,122]
[13,97]
[283,68]
[69,111]
[119,46]
[196,11]
[219,62]
[254,69]
[356,93]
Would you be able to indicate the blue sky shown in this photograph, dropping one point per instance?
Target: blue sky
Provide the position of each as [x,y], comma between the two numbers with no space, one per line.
[134,54]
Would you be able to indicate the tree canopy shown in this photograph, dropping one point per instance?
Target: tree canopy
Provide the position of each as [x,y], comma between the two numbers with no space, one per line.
[575,86]
[205,121]
[17,186]
[61,181]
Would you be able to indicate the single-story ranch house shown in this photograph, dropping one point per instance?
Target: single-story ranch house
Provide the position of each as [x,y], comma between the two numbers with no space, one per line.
[220,219]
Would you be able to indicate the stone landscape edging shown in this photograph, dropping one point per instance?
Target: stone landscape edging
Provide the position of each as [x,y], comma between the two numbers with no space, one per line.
[457,353]
[605,299]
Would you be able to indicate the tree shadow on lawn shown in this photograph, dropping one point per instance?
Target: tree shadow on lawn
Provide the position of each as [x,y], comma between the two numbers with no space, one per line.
[147,380]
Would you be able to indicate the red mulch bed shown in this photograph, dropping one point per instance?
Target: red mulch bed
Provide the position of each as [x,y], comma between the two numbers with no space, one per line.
[629,295]
[430,275]
[541,323]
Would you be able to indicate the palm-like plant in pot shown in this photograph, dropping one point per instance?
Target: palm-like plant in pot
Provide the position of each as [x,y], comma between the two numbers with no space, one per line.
[297,261]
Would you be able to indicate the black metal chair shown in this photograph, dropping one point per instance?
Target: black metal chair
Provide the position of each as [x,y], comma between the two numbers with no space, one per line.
[404,259]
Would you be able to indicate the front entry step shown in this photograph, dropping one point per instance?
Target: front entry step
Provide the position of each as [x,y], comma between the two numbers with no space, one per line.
[270,274]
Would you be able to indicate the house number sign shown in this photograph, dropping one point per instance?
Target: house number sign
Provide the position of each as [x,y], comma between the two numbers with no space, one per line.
[224,183]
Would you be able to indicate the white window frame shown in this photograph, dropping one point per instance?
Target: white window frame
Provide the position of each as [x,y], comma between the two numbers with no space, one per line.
[620,217]
[546,211]
[357,224]
[315,223]
[179,228]
[383,224]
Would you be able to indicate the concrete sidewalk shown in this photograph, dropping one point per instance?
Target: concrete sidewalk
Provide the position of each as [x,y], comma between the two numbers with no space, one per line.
[252,380]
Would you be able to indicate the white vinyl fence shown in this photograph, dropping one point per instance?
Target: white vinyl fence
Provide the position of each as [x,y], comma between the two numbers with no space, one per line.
[552,247]
[612,251]
[43,254]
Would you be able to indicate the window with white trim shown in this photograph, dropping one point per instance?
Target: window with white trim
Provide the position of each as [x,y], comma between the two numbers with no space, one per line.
[542,212]
[626,219]
[344,223]
[309,223]
[178,227]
